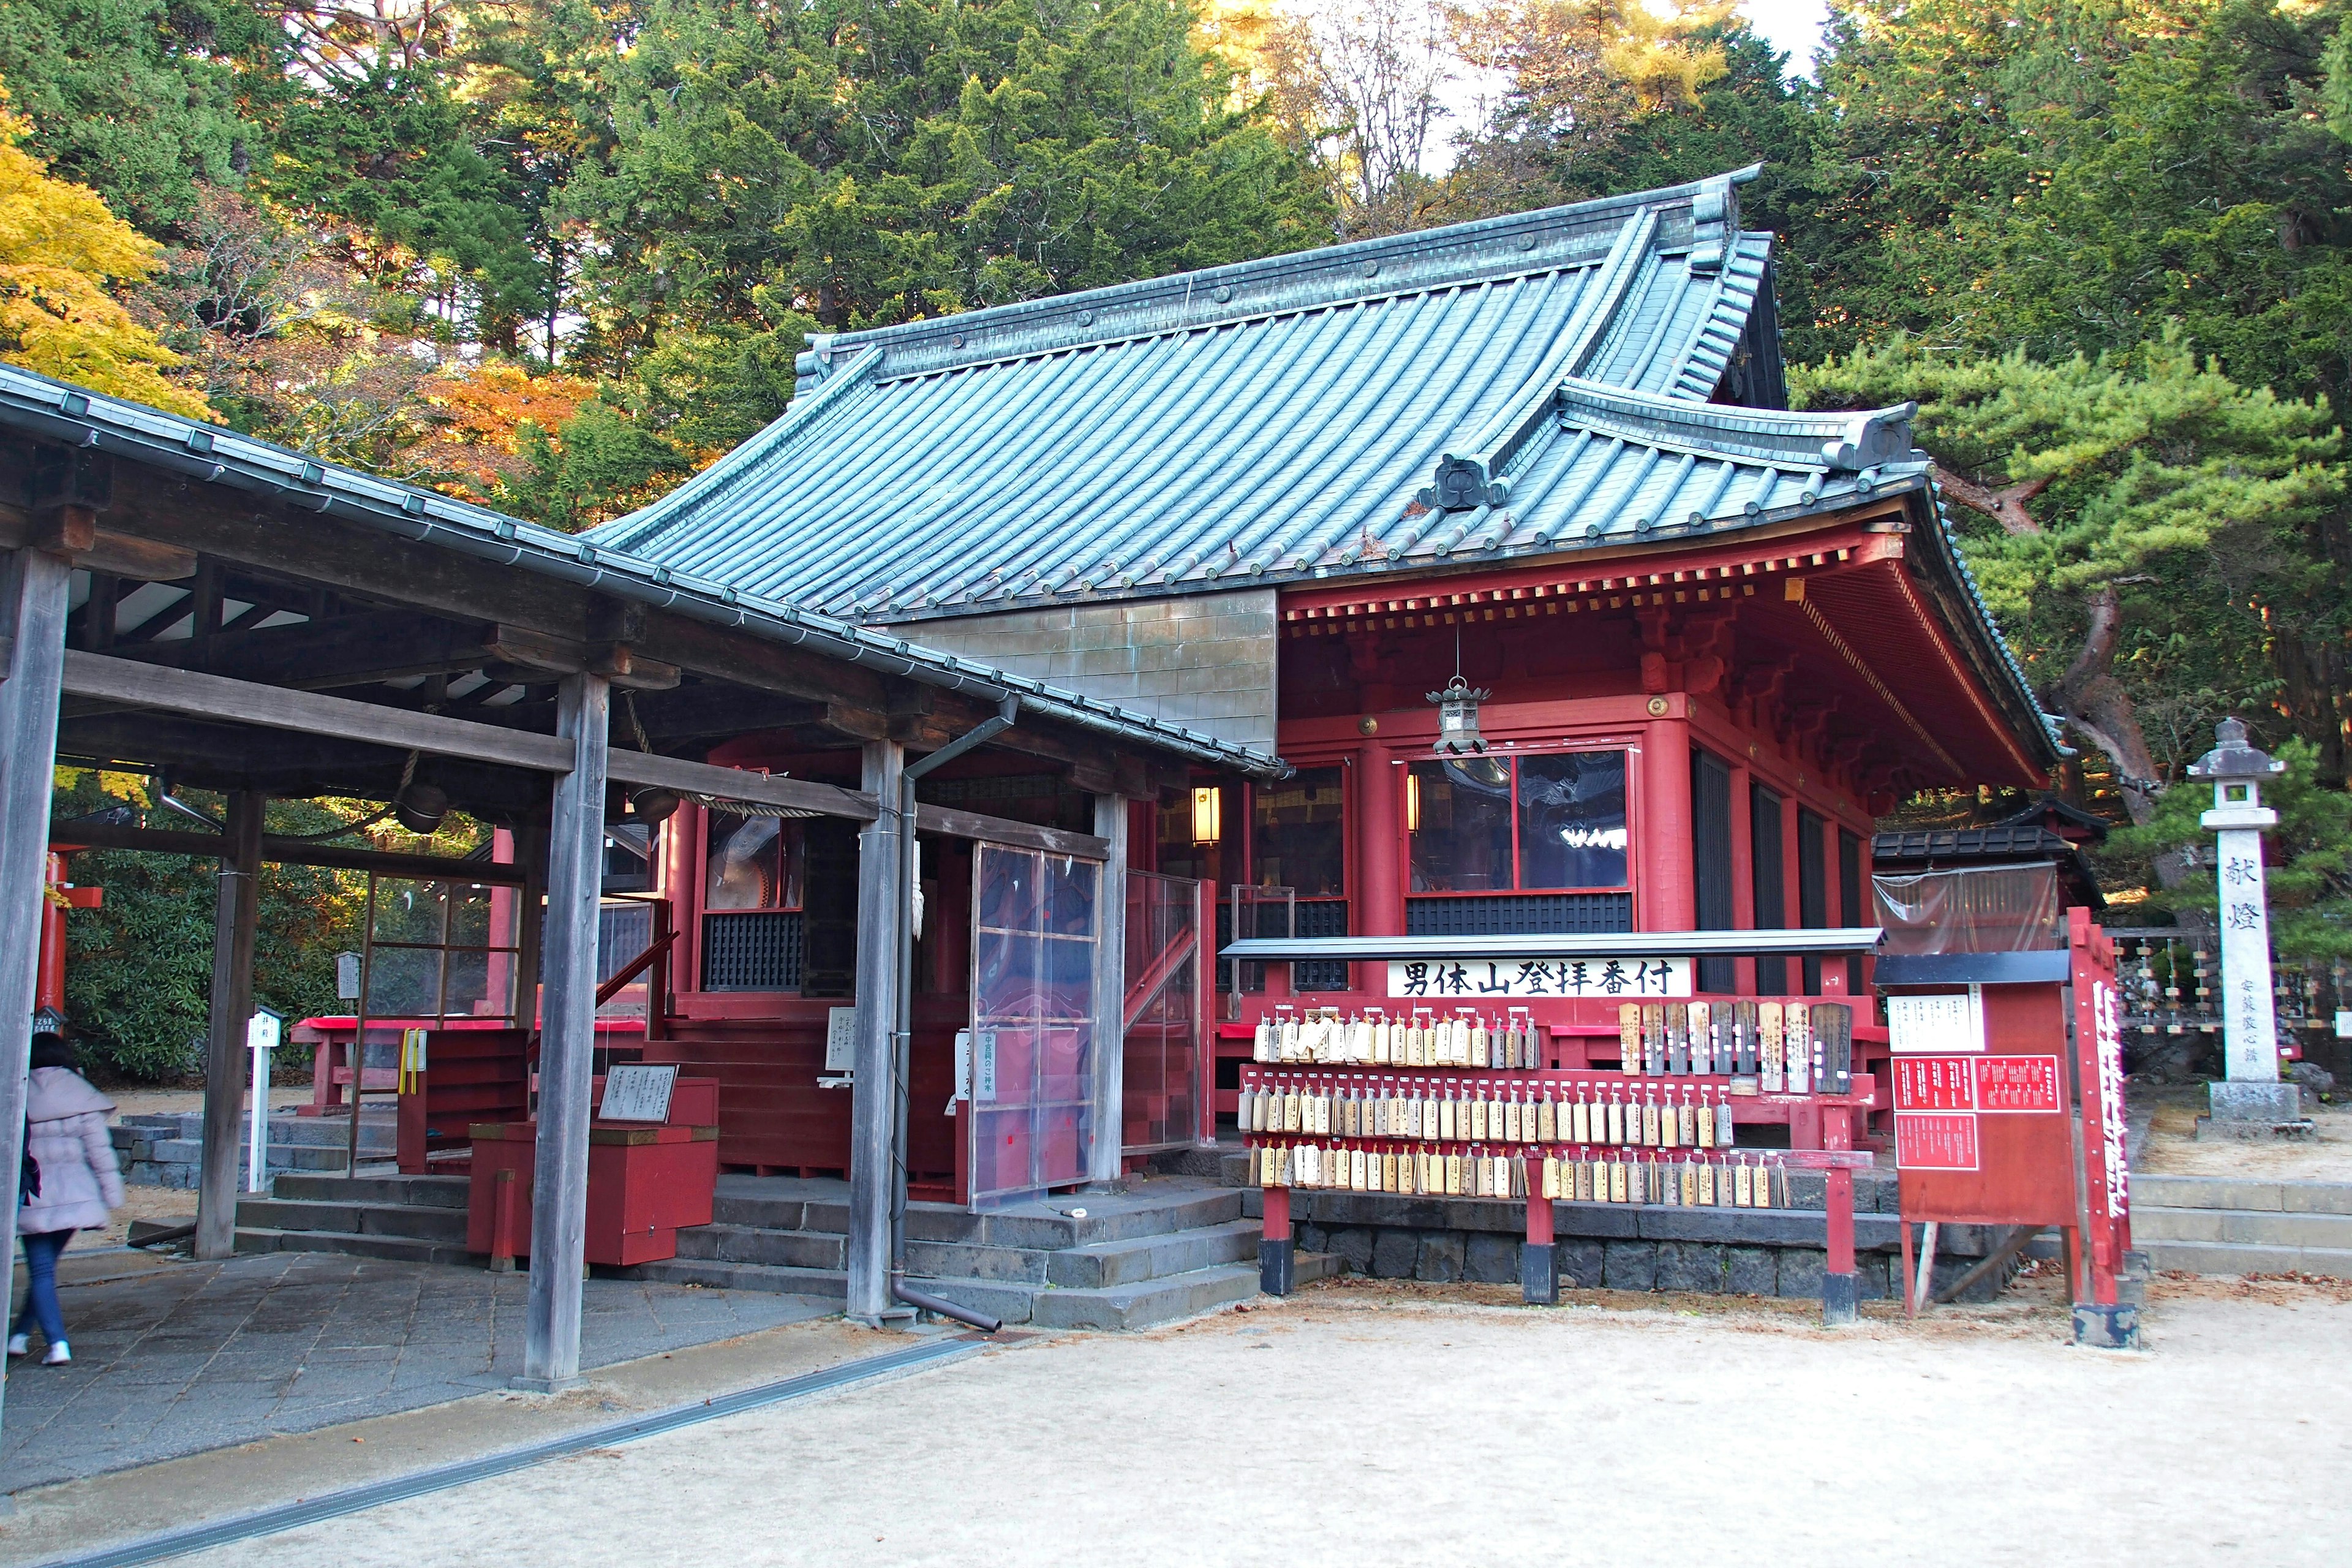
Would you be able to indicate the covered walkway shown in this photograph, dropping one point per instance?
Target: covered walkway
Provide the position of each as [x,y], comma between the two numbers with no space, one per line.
[176,1358]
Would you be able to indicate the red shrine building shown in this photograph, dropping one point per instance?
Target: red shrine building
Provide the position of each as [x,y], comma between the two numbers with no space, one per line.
[1502,536]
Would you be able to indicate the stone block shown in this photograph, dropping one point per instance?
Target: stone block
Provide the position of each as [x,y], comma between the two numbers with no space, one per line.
[1491,1257]
[1750,1270]
[1630,1265]
[1801,1272]
[1439,1260]
[1394,1253]
[1808,1190]
[2270,1103]
[1870,1277]
[1311,1238]
[1353,1243]
[1690,1265]
[1581,1262]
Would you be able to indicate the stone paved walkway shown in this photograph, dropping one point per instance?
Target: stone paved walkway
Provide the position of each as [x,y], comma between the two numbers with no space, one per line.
[184,1358]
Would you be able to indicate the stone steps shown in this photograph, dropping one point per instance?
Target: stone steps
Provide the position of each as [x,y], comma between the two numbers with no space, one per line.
[1166,1251]
[391,1249]
[2223,1224]
[166,1148]
[417,1222]
[435,1191]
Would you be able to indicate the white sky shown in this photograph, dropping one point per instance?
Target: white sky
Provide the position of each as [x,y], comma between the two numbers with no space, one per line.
[1793,27]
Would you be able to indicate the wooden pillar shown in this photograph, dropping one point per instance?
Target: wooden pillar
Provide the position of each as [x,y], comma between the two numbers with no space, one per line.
[530,920]
[33,612]
[567,1061]
[1378,902]
[1670,889]
[1743,869]
[237,910]
[1110,994]
[872,1103]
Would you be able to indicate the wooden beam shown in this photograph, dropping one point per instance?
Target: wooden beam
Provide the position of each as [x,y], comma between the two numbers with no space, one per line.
[874,1088]
[559,1198]
[235,921]
[275,708]
[999,830]
[33,595]
[1109,1049]
[763,665]
[739,783]
[279,851]
[626,667]
[347,650]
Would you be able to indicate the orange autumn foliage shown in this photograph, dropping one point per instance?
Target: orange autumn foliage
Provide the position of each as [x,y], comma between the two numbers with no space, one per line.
[486,413]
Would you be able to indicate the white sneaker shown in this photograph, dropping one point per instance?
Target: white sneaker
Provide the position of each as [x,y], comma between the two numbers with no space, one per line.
[59,1354]
[20,1344]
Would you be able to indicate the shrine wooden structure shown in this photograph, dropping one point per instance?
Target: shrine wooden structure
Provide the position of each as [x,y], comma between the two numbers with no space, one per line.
[234,617]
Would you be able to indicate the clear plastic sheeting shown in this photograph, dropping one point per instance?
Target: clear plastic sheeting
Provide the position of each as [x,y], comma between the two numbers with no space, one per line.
[1983,909]
[1034,1118]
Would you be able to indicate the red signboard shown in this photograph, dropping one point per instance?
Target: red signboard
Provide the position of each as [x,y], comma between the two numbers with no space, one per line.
[2018,1083]
[1936,1141]
[1934,1083]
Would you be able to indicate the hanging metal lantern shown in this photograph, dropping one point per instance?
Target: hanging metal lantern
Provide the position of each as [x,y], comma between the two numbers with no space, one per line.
[1457,718]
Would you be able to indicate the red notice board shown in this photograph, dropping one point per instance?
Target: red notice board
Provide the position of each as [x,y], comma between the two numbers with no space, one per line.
[1983,1138]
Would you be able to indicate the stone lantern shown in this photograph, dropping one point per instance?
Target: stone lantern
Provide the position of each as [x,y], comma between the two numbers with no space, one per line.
[2250,1101]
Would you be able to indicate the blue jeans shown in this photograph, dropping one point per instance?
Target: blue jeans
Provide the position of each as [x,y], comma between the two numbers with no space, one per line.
[41,1293]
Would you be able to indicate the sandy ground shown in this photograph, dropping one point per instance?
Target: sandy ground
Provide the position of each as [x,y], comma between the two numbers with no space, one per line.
[1370,1423]
[2173,1149]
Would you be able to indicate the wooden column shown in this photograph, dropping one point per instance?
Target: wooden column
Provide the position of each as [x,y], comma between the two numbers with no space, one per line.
[1670,891]
[1376,904]
[1110,992]
[236,912]
[33,613]
[530,920]
[873,1096]
[1743,868]
[559,1197]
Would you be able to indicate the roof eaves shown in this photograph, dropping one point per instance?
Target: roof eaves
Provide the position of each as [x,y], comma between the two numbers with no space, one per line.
[76,417]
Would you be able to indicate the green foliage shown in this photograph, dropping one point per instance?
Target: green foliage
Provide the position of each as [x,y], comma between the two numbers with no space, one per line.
[2149,475]
[140,99]
[139,967]
[865,164]
[2307,857]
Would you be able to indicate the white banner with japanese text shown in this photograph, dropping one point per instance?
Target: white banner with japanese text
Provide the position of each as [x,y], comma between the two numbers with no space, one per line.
[1472,980]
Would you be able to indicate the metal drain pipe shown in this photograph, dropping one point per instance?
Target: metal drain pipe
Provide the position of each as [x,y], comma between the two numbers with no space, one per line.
[902,1036]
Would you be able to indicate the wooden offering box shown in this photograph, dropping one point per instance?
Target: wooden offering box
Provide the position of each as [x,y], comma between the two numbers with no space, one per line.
[646,1181]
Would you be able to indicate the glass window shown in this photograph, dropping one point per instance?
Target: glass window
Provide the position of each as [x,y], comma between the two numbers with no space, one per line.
[1458,819]
[1490,823]
[1572,820]
[1301,836]
[754,862]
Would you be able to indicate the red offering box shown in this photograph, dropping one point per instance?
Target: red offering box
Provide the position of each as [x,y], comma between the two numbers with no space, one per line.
[645,1181]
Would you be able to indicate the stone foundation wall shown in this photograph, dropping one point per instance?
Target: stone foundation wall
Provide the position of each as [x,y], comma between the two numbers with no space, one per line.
[1622,1246]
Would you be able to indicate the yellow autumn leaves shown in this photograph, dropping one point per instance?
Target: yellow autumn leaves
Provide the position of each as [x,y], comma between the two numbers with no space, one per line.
[61,254]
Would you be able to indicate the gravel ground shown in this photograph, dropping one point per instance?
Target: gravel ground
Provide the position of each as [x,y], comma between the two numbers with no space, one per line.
[1366,1423]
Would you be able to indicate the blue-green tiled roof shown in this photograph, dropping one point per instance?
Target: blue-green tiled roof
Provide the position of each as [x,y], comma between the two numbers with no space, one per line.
[1519,385]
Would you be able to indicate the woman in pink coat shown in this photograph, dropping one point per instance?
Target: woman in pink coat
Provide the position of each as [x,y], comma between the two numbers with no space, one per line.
[64,1133]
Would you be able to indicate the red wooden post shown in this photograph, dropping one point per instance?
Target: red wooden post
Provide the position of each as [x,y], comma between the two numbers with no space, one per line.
[1668,893]
[1838,1277]
[502,1222]
[1277,1259]
[1743,872]
[1378,902]
[1539,1265]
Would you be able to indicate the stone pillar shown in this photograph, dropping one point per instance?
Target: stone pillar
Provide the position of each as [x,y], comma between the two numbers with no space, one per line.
[2250,1099]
